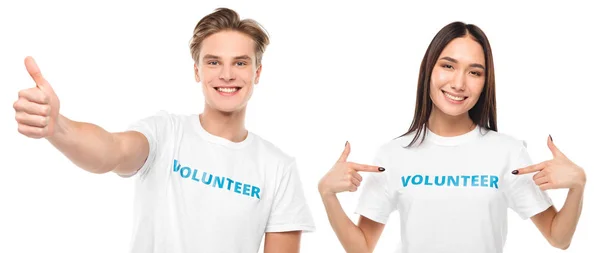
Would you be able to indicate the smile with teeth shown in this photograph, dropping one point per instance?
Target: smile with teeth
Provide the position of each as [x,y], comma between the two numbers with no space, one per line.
[453,97]
[227,89]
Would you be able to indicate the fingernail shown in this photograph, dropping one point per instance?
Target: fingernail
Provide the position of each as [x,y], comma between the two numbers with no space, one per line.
[346,144]
[551,138]
[381,169]
[515,172]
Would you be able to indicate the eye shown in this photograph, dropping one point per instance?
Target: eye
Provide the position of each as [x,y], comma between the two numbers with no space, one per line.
[475,73]
[447,66]
[241,63]
[212,63]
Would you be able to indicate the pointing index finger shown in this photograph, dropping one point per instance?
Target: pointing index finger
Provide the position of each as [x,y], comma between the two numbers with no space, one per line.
[365,168]
[531,168]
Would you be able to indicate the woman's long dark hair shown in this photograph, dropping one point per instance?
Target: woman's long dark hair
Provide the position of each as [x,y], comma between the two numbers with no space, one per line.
[484,111]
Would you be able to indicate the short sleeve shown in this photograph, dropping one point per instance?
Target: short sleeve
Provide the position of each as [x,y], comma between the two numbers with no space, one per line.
[154,129]
[290,210]
[524,196]
[376,200]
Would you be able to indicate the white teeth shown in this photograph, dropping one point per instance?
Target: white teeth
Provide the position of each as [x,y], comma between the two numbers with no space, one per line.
[227,89]
[453,97]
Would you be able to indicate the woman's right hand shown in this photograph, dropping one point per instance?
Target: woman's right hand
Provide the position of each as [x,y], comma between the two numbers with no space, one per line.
[344,176]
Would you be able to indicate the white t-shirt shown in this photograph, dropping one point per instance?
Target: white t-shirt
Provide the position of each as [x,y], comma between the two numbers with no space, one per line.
[452,193]
[198,192]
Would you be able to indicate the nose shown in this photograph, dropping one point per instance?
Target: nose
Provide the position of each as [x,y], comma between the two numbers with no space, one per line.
[227,73]
[458,82]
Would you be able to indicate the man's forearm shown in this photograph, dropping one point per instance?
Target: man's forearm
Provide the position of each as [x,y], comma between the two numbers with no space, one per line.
[87,145]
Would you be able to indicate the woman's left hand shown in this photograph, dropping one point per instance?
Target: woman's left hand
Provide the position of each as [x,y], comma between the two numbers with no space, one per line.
[558,173]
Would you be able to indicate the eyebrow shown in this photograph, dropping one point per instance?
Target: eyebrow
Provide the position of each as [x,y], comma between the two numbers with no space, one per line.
[474,65]
[210,56]
[241,57]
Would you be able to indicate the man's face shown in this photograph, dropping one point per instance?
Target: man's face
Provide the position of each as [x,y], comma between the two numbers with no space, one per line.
[227,70]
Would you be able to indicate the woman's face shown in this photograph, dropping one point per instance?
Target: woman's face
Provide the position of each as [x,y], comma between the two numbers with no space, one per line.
[458,77]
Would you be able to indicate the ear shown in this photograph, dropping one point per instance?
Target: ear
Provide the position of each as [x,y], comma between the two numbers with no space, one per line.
[258,70]
[196,75]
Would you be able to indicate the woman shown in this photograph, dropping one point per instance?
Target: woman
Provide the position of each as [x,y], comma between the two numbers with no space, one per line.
[452,176]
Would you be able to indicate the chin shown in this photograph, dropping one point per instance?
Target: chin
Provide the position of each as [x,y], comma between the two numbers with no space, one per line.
[228,108]
[454,112]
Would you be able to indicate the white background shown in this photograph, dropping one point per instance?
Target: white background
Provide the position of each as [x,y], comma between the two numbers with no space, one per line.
[334,72]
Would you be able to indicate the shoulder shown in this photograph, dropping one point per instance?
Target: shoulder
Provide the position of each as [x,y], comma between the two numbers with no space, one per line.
[398,145]
[277,164]
[160,124]
[272,152]
[504,140]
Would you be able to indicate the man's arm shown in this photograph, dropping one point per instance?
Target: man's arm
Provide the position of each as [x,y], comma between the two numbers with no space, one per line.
[86,145]
[95,150]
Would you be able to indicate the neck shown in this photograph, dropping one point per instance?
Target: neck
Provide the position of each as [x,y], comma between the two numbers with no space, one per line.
[228,125]
[446,125]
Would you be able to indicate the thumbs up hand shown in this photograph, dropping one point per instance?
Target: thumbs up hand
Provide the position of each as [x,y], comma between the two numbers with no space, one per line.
[36,110]
[344,175]
[558,173]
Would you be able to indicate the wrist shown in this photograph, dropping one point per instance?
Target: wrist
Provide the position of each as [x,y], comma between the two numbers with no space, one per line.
[580,184]
[325,193]
[61,128]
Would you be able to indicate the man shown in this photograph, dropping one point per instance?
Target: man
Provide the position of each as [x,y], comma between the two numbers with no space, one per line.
[203,182]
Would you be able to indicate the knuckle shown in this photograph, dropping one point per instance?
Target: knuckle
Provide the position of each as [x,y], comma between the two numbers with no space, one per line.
[22,93]
[41,131]
[45,110]
[19,104]
[20,117]
[44,98]
[43,121]
[34,131]
[21,130]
